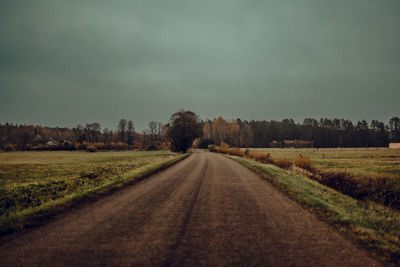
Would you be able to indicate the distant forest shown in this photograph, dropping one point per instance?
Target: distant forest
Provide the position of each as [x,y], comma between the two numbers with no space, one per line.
[311,133]
[236,133]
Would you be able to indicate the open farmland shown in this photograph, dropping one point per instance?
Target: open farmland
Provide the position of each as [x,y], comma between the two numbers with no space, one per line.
[32,180]
[362,173]
[358,161]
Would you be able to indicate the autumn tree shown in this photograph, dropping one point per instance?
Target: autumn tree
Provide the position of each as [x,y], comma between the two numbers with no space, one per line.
[183,128]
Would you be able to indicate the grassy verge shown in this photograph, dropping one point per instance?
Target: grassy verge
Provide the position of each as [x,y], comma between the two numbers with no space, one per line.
[373,226]
[381,187]
[37,215]
[357,161]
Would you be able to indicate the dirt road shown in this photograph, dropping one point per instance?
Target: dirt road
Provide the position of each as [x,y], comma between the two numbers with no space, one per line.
[205,210]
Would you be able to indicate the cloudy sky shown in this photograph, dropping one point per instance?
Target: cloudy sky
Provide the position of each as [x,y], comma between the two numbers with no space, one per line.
[77,61]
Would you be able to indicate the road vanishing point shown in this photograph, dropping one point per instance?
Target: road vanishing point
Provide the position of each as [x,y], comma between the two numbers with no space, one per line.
[204,210]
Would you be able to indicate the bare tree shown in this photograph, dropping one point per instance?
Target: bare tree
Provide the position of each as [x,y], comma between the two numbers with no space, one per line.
[130,132]
[92,131]
[154,130]
[107,136]
[122,130]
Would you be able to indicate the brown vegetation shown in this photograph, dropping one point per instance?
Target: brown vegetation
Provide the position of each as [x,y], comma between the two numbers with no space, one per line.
[91,148]
[283,163]
[304,163]
[378,188]
[257,156]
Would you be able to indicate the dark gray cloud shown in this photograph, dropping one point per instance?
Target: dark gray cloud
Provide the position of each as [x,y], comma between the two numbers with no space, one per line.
[69,62]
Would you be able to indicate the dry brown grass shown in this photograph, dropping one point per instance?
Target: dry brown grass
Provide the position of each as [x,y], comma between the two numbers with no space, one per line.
[91,148]
[261,157]
[230,151]
[377,188]
[304,163]
[283,163]
[380,188]
[257,156]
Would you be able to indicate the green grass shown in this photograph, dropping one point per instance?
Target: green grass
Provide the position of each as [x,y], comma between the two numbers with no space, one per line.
[358,161]
[35,185]
[373,226]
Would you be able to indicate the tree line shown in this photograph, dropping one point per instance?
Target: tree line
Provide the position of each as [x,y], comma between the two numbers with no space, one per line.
[311,133]
[31,137]
[187,126]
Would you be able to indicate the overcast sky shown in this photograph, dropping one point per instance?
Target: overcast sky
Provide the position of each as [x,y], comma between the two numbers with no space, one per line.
[76,61]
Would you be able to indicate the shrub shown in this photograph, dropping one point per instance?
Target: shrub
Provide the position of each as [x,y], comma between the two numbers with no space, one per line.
[91,148]
[100,145]
[377,188]
[151,148]
[304,163]
[212,148]
[224,145]
[341,181]
[220,150]
[204,143]
[77,146]
[261,157]
[282,163]
[9,147]
[121,146]
[236,152]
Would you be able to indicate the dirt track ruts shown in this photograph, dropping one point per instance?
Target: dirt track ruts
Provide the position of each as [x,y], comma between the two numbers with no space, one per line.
[205,210]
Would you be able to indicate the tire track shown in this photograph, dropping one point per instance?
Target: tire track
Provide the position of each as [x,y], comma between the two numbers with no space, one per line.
[188,215]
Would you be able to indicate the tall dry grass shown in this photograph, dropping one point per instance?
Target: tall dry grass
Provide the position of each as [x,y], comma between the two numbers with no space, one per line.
[304,163]
[378,188]
[283,163]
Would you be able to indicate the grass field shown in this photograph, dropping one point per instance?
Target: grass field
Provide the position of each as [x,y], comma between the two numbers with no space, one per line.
[32,182]
[22,168]
[364,161]
[369,174]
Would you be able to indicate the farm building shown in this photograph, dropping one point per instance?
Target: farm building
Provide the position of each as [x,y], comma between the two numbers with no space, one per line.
[394,145]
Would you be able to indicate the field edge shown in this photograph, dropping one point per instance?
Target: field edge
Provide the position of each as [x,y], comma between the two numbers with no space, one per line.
[37,216]
[334,209]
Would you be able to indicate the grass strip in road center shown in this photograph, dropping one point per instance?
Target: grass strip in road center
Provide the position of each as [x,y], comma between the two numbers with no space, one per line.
[371,225]
[38,215]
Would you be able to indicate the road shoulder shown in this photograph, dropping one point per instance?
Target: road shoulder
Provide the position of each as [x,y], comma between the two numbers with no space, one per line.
[370,226]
